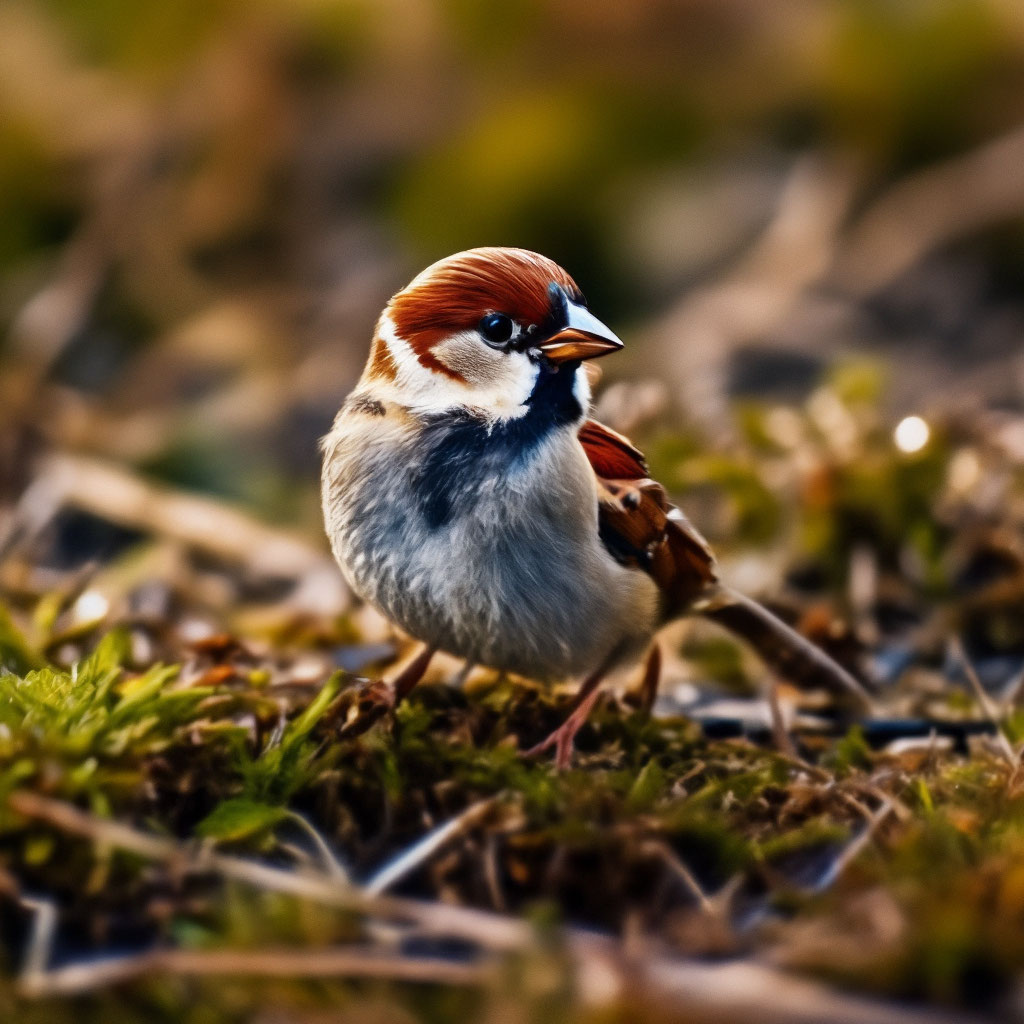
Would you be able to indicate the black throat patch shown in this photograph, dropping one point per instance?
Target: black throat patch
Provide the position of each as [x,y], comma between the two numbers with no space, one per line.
[463,449]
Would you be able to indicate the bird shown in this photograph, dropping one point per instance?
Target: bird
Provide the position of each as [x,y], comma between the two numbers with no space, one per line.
[469,497]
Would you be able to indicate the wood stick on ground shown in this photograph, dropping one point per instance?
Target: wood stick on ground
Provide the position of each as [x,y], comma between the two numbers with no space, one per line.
[759,293]
[987,707]
[41,935]
[743,990]
[492,931]
[853,849]
[422,850]
[350,962]
[930,208]
[121,496]
[783,741]
[671,860]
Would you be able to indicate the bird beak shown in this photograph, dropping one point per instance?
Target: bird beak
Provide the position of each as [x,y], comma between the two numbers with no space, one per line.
[582,337]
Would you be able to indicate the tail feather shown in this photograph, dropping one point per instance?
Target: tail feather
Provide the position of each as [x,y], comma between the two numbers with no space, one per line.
[784,650]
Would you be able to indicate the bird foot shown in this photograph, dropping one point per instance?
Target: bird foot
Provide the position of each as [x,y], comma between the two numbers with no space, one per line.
[367,705]
[562,738]
[375,698]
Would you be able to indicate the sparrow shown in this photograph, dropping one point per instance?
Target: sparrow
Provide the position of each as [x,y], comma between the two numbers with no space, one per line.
[468,496]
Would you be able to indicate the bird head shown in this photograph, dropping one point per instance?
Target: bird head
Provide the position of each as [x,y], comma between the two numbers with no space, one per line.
[479,330]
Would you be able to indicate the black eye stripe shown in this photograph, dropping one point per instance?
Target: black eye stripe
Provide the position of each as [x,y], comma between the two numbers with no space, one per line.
[496,328]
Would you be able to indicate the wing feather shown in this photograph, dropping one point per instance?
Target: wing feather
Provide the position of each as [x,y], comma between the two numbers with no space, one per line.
[613,456]
[639,526]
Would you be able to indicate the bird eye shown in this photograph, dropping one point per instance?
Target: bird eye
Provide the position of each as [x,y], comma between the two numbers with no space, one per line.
[496,328]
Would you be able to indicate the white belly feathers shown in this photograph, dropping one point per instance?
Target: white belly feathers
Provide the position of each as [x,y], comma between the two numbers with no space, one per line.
[515,577]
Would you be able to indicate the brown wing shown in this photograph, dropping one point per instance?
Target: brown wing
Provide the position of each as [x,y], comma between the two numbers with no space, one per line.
[613,456]
[639,526]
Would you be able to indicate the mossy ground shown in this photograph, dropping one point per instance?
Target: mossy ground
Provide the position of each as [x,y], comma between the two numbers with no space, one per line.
[146,765]
[895,873]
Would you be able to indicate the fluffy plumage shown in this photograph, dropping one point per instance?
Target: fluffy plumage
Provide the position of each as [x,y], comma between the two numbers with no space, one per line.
[467,496]
[480,558]
[470,518]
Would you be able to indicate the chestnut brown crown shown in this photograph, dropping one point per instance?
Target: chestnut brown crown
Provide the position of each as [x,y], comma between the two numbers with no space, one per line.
[473,329]
[455,293]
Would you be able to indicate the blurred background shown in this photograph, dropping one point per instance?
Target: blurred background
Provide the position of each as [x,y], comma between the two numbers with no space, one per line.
[805,218]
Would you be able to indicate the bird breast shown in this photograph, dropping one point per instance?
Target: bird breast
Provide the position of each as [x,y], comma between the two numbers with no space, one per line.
[487,551]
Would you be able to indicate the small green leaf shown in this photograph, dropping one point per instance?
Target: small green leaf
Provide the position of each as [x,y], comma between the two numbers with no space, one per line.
[16,655]
[649,785]
[303,725]
[851,752]
[106,660]
[239,818]
[138,691]
[38,849]
[924,796]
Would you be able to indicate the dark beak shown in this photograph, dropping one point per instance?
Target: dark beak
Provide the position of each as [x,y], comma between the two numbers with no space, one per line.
[583,336]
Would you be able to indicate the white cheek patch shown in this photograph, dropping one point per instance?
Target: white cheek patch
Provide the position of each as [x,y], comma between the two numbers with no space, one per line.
[497,383]
[581,389]
[478,364]
[416,384]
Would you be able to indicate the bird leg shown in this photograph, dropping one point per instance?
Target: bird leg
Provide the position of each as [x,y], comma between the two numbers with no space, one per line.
[460,677]
[643,695]
[562,738]
[379,696]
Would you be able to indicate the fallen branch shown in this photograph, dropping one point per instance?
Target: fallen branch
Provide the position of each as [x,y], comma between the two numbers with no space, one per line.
[120,496]
[90,975]
[931,208]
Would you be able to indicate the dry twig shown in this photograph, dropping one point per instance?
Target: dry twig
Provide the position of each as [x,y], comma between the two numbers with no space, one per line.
[116,494]
[853,849]
[987,707]
[422,850]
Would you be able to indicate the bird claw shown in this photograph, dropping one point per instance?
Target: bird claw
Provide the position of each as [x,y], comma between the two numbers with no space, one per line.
[562,738]
[374,698]
[367,704]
